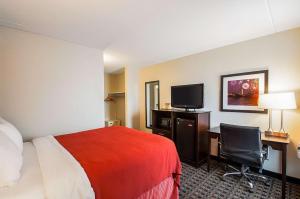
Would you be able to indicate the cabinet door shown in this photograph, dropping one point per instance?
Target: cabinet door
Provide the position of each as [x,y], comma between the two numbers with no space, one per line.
[185,138]
[164,133]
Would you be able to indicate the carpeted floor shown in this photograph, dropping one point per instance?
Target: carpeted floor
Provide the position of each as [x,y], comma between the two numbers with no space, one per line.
[198,183]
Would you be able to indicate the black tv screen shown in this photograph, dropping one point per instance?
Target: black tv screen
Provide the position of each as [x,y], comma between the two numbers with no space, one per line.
[187,96]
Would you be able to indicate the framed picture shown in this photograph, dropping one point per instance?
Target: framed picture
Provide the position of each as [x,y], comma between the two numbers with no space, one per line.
[240,92]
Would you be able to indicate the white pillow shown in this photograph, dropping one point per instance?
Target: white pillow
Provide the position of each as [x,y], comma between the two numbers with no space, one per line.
[12,132]
[11,161]
[2,120]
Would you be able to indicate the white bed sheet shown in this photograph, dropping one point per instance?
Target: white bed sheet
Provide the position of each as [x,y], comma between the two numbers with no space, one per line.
[63,176]
[30,185]
[49,171]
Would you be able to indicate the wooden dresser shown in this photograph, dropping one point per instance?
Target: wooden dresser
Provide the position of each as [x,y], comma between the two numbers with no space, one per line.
[188,130]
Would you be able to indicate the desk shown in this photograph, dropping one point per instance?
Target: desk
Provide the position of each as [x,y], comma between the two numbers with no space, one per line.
[279,144]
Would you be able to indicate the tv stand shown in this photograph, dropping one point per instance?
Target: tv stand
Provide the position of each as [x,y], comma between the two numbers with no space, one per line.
[188,130]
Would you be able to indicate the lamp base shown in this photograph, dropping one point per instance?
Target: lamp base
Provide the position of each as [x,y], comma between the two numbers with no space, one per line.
[276,134]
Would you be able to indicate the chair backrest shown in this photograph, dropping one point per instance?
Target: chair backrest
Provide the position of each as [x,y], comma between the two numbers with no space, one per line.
[241,142]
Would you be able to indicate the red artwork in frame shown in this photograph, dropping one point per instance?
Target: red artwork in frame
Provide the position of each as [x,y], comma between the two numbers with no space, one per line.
[240,92]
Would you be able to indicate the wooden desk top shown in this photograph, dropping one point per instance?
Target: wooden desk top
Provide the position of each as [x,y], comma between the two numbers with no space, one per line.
[274,139]
[216,130]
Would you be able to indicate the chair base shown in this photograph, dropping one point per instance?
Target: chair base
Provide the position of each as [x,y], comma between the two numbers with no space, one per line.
[244,172]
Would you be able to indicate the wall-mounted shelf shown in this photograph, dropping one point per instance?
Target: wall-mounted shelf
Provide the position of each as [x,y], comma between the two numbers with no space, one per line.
[116,94]
[112,95]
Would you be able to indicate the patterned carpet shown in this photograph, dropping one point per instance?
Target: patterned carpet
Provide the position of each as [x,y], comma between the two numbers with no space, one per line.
[198,183]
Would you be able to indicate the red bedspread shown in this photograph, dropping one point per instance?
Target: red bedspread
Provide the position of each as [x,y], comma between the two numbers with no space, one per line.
[122,162]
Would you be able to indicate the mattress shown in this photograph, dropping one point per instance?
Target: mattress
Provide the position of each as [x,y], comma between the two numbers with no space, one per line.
[50,171]
[30,184]
[116,158]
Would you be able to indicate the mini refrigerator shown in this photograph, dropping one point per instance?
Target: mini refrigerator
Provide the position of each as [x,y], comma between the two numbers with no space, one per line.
[185,139]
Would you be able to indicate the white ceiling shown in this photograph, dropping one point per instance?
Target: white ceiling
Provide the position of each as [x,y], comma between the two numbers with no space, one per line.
[138,33]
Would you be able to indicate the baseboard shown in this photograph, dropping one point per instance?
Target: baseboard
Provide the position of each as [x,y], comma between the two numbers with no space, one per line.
[266,172]
[278,176]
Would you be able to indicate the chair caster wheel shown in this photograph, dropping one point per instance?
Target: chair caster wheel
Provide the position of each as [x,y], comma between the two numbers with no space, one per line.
[251,187]
[225,167]
[268,183]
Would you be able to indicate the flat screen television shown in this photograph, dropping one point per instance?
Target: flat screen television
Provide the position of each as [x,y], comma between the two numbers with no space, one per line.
[187,96]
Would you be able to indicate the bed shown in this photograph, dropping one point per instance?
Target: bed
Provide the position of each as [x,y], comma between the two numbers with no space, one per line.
[30,185]
[113,162]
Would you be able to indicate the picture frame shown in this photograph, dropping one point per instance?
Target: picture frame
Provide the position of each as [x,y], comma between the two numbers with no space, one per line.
[240,92]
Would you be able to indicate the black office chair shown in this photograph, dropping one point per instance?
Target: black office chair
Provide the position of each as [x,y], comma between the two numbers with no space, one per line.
[242,145]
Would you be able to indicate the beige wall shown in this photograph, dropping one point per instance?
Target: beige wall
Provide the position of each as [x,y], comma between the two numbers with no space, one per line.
[132,97]
[279,53]
[49,86]
[117,82]
[106,91]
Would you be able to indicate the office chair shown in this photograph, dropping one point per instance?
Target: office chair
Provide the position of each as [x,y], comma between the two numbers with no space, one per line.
[242,145]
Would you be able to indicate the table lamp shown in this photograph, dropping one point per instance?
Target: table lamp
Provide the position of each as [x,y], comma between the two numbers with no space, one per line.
[277,101]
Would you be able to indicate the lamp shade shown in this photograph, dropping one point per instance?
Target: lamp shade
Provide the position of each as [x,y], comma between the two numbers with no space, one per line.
[277,101]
